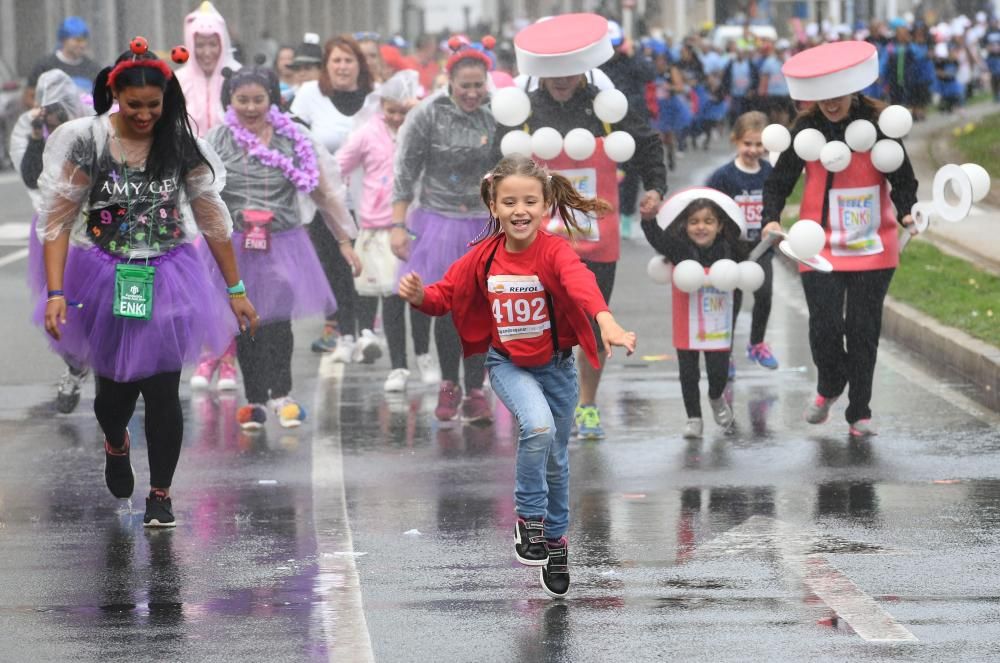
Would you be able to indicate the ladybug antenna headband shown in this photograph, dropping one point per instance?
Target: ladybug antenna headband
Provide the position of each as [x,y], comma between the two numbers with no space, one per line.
[141,57]
[463,50]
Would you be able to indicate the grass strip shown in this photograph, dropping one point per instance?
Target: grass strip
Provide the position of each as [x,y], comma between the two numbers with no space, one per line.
[950,290]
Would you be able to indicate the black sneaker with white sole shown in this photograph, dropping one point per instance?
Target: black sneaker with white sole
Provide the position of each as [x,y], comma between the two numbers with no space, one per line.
[555,573]
[118,471]
[159,511]
[529,541]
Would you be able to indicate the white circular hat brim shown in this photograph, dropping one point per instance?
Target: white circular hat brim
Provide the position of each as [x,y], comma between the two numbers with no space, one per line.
[679,201]
[831,70]
[565,45]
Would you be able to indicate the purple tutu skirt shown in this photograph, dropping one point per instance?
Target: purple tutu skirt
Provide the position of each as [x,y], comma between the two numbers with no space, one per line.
[189,313]
[441,240]
[286,282]
[36,262]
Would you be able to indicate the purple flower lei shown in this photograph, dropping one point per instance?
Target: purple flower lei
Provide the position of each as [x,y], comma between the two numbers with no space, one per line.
[306,176]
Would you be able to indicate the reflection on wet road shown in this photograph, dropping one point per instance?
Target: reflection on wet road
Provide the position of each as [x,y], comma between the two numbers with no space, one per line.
[375,530]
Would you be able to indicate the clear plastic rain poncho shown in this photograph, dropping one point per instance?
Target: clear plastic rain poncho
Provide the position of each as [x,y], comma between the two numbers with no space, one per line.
[443,152]
[125,212]
[55,93]
[252,185]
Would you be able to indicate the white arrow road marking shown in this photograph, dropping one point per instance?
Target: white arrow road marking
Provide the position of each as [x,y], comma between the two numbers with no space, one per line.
[796,547]
[343,616]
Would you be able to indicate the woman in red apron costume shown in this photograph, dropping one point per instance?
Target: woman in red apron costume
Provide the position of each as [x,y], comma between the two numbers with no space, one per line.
[857,204]
[703,225]
[560,51]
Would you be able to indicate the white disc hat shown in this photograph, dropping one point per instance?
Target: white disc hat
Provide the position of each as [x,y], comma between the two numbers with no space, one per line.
[564,45]
[831,70]
[679,201]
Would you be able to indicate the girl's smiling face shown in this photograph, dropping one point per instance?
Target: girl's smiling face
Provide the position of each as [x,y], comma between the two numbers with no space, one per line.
[519,205]
[836,109]
[703,227]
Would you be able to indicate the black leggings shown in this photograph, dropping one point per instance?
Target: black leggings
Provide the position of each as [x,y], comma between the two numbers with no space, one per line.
[761,301]
[604,272]
[115,404]
[846,306]
[266,361]
[717,367]
[338,273]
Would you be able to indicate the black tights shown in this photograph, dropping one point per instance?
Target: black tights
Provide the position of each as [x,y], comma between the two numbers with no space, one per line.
[338,273]
[449,349]
[717,367]
[394,325]
[115,404]
[266,361]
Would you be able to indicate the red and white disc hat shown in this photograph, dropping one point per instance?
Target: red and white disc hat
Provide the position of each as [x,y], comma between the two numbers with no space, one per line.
[831,70]
[564,45]
[679,201]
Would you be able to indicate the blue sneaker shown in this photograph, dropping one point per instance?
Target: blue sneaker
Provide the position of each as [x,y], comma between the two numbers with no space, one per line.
[761,354]
[588,423]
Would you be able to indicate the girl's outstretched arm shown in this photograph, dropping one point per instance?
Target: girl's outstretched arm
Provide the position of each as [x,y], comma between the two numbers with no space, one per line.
[614,334]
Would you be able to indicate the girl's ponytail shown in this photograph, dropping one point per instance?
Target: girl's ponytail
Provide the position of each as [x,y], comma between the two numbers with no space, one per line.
[565,197]
[103,98]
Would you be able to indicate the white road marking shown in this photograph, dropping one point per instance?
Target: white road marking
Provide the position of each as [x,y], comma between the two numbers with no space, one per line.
[793,544]
[343,616]
[14,231]
[13,257]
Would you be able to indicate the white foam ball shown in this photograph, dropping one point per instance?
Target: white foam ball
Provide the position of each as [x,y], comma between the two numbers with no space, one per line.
[773,158]
[751,276]
[516,142]
[835,156]
[895,121]
[980,179]
[689,276]
[887,155]
[511,106]
[860,135]
[775,138]
[610,106]
[724,274]
[808,144]
[807,238]
[619,146]
[546,143]
[579,144]
[659,270]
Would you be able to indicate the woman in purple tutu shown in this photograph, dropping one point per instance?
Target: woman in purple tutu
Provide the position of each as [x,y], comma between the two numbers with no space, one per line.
[133,300]
[276,178]
[444,148]
[57,100]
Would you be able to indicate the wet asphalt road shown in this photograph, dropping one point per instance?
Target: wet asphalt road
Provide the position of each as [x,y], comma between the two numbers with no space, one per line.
[375,532]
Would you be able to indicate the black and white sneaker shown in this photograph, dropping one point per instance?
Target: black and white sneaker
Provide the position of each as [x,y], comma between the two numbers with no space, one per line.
[529,541]
[159,511]
[555,574]
[118,471]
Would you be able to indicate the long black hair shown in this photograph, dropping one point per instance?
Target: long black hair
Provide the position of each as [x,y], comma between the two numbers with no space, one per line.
[175,147]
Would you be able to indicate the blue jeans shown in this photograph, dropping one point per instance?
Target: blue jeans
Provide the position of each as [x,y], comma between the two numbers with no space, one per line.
[543,399]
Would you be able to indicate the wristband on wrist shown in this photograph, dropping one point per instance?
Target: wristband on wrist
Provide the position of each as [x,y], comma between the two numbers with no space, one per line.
[238,289]
[56,293]
[399,224]
[343,241]
[238,295]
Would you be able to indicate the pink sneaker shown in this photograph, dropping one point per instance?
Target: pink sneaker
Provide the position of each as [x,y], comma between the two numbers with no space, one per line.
[862,428]
[202,377]
[227,373]
[449,398]
[818,412]
[476,409]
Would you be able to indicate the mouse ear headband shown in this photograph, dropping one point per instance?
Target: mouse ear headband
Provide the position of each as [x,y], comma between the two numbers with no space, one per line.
[141,57]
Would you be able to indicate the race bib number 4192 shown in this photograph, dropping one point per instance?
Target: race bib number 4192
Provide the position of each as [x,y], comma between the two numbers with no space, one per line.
[519,308]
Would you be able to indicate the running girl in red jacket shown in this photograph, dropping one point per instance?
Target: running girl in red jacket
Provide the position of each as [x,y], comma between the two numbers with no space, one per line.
[525,296]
